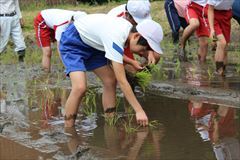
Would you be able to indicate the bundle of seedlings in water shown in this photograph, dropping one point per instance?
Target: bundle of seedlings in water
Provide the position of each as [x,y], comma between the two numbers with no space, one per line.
[144,77]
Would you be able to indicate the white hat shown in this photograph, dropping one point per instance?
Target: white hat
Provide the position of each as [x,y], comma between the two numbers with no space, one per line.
[139,9]
[152,32]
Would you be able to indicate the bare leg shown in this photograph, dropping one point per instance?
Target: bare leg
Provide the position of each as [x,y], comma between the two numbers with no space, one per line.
[107,76]
[188,31]
[46,58]
[203,48]
[220,56]
[79,85]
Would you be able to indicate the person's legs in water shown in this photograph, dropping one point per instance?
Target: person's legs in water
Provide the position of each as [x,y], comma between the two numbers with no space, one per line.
[222,28]
[108,79]
[203,49]
[79,86]
[220,55]
[46,58]
[188,31]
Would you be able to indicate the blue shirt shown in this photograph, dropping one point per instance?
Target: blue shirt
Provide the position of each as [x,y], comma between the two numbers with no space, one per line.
[236,8]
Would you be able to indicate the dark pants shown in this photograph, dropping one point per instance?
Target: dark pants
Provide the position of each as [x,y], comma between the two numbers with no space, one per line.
[174,20]
[237,19]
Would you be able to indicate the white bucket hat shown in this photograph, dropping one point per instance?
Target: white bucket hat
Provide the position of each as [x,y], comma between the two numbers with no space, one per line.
[139,9]
[152,32]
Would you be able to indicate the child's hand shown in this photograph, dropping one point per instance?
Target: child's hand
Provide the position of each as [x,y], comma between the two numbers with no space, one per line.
[137,65]
[212,36]
[213,39]
[142,118]
[151,58]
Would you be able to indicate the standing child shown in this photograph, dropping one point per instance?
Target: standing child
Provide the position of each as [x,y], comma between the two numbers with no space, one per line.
[85,47]
[10,25]
[175,11]
[219,16]
[197,22]
[49,25]
[135,12]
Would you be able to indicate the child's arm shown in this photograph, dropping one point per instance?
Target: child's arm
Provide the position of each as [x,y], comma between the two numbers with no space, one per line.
[132,62]
[211,21]
[119,72]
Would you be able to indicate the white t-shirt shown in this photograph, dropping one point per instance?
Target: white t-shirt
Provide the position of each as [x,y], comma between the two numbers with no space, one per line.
[105,33]
[117,11]
[59,19]
[221,4]
[200,2]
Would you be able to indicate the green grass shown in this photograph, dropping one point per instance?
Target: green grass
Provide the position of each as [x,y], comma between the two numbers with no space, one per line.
[34,57]
[8,58]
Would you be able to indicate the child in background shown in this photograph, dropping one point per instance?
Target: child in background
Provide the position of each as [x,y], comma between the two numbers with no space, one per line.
[49,25]
[197,20]
[135,12]
[219,17]
[236,10]
[83,47]
[175,11]
[10,25]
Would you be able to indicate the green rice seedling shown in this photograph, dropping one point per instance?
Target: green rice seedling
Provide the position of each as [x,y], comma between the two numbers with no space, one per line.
[177,68]
[47,99]
[153,68]
[129,128]
[89,102]
[161,63]
[111,120]
[127,124]
[238,68]
[162,73]
[153,124]
[59,78]
[210,73]
[143,79]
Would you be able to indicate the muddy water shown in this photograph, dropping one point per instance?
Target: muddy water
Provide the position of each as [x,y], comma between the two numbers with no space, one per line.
[32,128]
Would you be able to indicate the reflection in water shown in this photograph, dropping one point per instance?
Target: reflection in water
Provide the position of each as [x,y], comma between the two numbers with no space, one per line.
[50,102]
[217,124]
[94,139]
[203,75]
[131,146]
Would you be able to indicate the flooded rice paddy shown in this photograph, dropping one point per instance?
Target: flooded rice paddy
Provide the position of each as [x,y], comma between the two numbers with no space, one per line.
[193,115]
[32,128]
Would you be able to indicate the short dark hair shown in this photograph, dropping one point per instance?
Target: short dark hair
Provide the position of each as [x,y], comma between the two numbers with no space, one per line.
[142,41]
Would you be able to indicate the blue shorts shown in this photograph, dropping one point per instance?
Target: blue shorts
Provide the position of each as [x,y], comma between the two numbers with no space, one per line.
[77,55]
